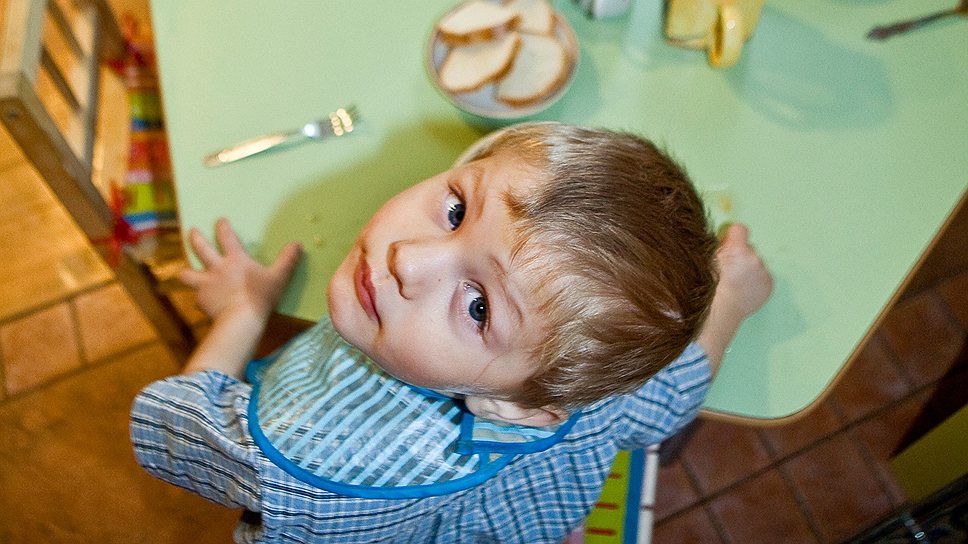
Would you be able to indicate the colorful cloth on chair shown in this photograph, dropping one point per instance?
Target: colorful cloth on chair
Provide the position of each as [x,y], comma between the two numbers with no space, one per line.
[149,190]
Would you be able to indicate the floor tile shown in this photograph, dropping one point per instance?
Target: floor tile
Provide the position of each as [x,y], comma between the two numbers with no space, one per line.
[10,154]
[873,380]
[674,491]
[951,393]
[110,322]
[762,510]
[720,454]
[690,527]
[925,338]
[947,256]
[787,439]
[840,491]
[38,348]
[887,431]
[184,302]
[68,474]
[954,292]
[884,434]
[45,256]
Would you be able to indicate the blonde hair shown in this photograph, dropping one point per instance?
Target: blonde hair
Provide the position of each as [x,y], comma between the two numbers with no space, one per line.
[618,244]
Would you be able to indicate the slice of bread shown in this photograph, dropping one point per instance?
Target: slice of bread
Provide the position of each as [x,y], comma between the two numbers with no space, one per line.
[537,17]
[540,66]
[476,20]
[469,67]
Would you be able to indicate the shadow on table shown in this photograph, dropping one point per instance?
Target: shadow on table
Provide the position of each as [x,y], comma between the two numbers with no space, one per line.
[745,368]
[792,73]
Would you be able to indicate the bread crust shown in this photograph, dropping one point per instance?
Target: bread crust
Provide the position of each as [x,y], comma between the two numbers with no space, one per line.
[540,19]
[485,78]
[539,94]
[476,34]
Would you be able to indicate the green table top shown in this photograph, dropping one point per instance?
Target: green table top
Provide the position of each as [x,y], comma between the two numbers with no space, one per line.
[844,156]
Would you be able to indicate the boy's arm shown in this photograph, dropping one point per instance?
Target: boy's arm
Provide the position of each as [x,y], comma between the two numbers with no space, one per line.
[238,294]
[744,285]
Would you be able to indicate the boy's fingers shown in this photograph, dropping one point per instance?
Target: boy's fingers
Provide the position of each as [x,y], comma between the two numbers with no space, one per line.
[205,251]
[736,234]
[190,277]
[286,261]
[227,238]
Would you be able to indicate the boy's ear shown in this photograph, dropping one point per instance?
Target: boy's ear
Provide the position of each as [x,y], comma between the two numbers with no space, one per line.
[512,412]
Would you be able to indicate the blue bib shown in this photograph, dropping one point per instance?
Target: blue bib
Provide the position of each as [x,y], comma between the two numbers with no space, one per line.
[328,415]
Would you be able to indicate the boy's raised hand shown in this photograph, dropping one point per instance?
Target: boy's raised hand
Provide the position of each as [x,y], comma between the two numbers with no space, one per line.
[744,286]
[238,294]
[744,282]
[231,280]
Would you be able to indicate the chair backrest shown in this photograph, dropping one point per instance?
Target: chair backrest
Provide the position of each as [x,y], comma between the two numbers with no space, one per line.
[49,83]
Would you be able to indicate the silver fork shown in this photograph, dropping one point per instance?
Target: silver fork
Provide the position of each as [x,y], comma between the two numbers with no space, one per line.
[884,32]
[338,123]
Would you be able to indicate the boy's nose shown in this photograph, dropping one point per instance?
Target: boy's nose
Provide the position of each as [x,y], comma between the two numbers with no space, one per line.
[416,264]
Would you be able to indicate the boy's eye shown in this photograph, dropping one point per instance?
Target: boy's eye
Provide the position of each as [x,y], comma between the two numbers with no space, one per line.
[476,305]
[455,211]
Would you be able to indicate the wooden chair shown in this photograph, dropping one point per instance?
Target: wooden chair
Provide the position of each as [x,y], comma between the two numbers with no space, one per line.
[60,143]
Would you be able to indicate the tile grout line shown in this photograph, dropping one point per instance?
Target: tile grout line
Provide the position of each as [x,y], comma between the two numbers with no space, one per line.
[949,312]
[933,285]
[777,463]
[705,499]
[3,374]
[801,501]
[913,387]
[104,361]
[692,481]
[717,524]
[949,317]
[16,316]
[794,489]
[78,337]
[871,461]
[851,425]
[845,426]
[879,475]
[895,360]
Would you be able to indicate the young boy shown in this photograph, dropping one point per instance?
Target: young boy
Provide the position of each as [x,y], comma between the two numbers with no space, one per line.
[497,333]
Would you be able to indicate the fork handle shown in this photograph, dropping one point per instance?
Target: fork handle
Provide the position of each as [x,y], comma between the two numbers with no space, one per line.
[251,147]
[884,32]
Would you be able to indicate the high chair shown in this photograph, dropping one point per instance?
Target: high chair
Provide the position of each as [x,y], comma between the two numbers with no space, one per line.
[60,44]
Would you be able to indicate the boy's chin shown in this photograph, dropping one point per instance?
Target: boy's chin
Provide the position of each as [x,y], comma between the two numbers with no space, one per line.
[337,307]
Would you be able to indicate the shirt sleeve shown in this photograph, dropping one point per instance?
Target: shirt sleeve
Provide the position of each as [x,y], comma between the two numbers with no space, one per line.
[667,402]
[192,431]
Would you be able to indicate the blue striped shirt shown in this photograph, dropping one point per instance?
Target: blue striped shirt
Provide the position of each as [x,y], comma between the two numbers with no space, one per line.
[192,431]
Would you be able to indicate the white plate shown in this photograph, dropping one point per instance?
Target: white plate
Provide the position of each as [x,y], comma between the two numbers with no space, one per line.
[483,102]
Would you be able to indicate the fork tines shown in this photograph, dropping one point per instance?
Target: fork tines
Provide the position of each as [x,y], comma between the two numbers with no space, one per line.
[342,119]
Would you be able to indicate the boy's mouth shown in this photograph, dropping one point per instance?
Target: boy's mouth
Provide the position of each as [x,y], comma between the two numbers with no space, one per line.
[364,289]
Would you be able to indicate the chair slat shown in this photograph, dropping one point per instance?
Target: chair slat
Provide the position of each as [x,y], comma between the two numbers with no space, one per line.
[22,37]
[48,64]
[62,23]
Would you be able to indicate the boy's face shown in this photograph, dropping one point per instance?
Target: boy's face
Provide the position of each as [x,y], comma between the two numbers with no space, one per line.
[428,291]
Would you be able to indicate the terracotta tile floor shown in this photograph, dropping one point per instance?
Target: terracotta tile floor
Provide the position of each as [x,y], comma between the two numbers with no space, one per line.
[74,350]
[825,477]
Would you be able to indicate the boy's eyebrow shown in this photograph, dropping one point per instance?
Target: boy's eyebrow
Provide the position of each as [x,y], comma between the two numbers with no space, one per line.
[500,271]
[511,302]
